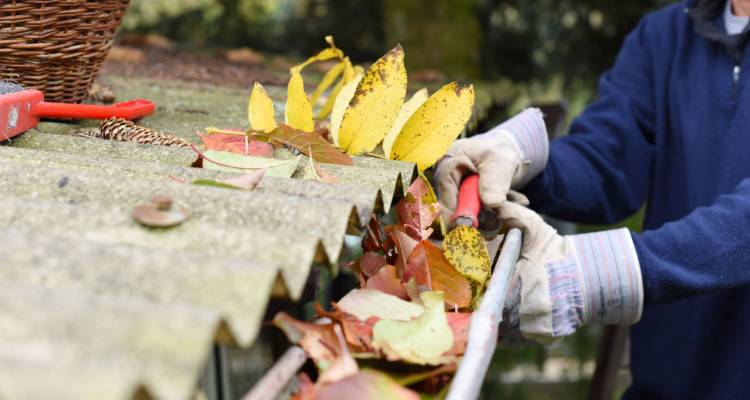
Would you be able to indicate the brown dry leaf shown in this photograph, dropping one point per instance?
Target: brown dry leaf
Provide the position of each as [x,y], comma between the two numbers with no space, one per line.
[318,340]
[432,271]
[358,333]
[309,143]
[373,240]
[356,270]
[320,174]
[418,210]
[366,385]
[341,367]
[370,263]
[403,244]
[159,212]
[387,281]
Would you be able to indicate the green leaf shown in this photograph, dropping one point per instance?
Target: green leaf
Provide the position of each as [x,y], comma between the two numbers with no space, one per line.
[242,182]
[424,340]
[233,162]
[366,303]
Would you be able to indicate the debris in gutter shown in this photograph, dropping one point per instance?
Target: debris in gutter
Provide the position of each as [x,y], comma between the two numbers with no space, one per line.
[159,212]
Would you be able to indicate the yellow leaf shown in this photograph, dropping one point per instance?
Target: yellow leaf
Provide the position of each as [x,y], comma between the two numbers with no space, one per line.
[298,113]
[212,130]
[328,105]
[325,54]
[466,251]
[375,105]
[349,74]
[326,82]
[260,111]
[340,105]
[430,131]
[404,114]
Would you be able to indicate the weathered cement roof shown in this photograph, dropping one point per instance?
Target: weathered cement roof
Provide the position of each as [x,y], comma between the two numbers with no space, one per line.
[96,306]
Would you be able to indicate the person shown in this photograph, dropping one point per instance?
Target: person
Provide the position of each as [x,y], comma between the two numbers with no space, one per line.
[670,128]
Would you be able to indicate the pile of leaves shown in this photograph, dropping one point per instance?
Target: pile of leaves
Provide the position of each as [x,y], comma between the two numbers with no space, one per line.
[403,330]
[352,111]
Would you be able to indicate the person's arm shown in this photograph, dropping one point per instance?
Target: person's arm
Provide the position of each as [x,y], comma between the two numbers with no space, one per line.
[601,171]
[609,276]
[706,251]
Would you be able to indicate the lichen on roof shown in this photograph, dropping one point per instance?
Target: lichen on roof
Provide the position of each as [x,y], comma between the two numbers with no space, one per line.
[91,293]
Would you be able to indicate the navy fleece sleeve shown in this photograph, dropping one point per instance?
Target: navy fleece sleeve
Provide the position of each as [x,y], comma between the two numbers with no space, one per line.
[600,172]
[706,251]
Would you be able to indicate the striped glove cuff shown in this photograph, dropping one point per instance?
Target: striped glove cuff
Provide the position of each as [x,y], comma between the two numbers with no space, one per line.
[600,282]
[529,133]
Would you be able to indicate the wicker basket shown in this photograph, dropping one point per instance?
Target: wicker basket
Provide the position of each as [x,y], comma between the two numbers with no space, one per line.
[57,46]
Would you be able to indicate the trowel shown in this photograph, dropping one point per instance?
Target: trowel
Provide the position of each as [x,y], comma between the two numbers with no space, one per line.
[21,110]
[464,246]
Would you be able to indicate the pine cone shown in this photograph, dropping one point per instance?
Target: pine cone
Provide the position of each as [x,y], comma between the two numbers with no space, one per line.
[127,131]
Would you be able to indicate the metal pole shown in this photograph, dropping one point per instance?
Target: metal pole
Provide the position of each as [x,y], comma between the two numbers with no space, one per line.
[276,379]
[483,330]
[608,362]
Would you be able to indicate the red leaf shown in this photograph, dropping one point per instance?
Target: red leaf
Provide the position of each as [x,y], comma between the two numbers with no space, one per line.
[239,144]
[318,340]
[309,143]
[415,212]
[370,263]
[307,389]
[429,267]
[387,281]
[358,334]
[355,268]
[366,385]
[374,239]
[344,366]
[459,323]
[403,245]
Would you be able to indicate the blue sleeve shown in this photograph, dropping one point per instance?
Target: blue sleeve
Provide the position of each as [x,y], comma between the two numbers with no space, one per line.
[600,172]
[706,251]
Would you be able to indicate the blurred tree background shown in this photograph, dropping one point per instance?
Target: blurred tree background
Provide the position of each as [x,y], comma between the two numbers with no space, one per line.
[546,50]
[471,39]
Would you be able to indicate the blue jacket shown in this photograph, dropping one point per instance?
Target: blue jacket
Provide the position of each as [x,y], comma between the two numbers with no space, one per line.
[671,127]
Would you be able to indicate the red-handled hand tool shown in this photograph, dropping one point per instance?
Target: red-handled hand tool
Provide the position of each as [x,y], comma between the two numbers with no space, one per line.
[464,246]
[469,203]
[21,110]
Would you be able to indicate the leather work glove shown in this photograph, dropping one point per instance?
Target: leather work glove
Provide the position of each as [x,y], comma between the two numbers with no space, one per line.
[564,282]
[507,157]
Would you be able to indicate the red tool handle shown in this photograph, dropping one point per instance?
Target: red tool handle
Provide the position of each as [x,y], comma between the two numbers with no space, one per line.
[130,110]
[469,202]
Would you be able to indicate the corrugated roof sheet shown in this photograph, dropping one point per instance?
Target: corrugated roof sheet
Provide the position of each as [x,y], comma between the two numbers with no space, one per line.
[97,306]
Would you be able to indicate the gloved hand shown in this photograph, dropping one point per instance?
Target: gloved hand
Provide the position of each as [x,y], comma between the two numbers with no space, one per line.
[506,158]
[563,282]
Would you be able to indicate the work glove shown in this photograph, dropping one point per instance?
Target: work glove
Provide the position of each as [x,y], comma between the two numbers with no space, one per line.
[564,282]
[507,157]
